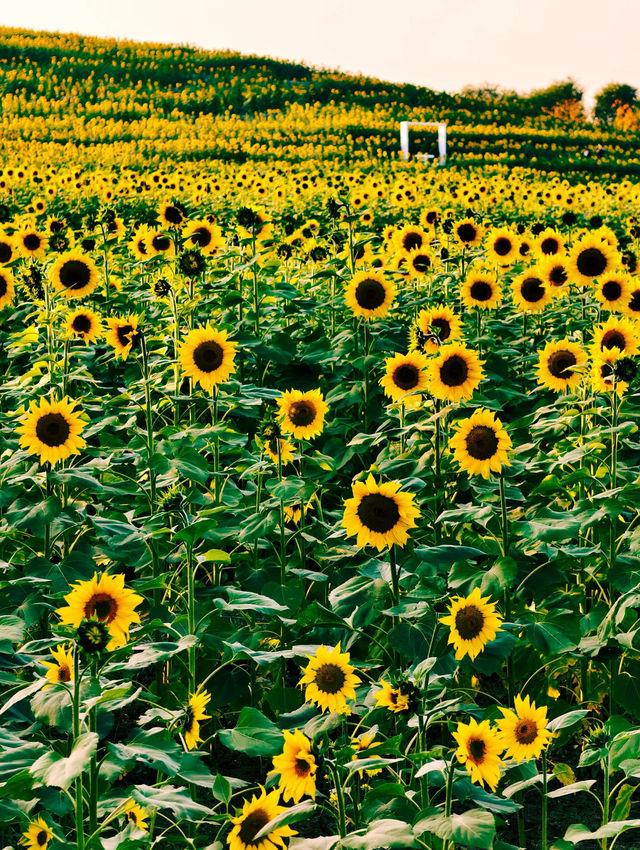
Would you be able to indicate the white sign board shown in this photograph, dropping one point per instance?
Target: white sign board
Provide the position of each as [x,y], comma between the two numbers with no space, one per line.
[442,138]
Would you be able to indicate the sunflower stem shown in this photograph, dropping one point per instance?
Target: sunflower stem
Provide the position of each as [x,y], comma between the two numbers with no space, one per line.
[256,293]
[303,543]
[605,797]
[395,583]
[283,542]
[76,734]
[545,843]
[437,438]
[504,522]
[216,446]
[449,798]
[176,366]
[342,821]
[613,482]
[93,771]
[191,615]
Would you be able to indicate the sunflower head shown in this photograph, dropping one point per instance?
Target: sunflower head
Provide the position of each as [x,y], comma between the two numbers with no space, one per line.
[439,326]
[455,373]
[123,335]
[480,289]
[255,815]
[473,622]
[329,680]
[52,430]
[380,514]
[296,766]
[302,414]
[74,274]
[207,357]
[479,749]
[591,257]
[405,378]
[531,294]
[136,815]
[560,365]
[481,444]
[370,295]
[523,732]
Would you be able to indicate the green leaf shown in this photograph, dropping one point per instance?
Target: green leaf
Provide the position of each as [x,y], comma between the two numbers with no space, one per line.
[473,828]
[254,734]
[290,815]
[221,789]
[177,800]
[565,721]
[573,788]
[579,832]
[54,769]
[244,600]
[385,833]
[52,705]
[155,748]
[622,807]
[11,631]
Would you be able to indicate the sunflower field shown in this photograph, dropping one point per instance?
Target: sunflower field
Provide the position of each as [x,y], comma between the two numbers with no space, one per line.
[319,516]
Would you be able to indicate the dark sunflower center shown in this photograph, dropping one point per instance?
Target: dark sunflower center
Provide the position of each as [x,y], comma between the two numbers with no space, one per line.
[103,606]
[406,377]
[524,249]
[161,242]
[302,413]
[591,262]
[3,286]
[126,335]
[560,363]
[201,237]
[81,323]
[131,817]
[549,245]
[64,674]
[330,678]
[442,328]
[476,749]
[526,732]
[42,837]
[142,248]
[411,240]
[454,371]
[614,339]
[173,215]
[481,290]
[52,429]
[532,289]
[303,766]
[370,294]
[74,274]
[469,622]
[189,719]
[466,232]
[612,290]
[634,304]
[481,442]
[31,241]
[208,356]
[558,276]
[378,513]
[252,825]
[431,216]
[422,263]
[502,246]
[5,252]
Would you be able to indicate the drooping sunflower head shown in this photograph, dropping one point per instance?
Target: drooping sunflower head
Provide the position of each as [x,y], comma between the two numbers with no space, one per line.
[370,295]
[560,365]
[502,246]
[329,680]
[74,274]
[379,513]
[468,232]
[613,291]
[617,332]
[523,732]
[136,815]
[479,749]
[256,814]
[38,835]
[194,713]
[405,378]
[207,357]
[480,289]
[530,292]
[52,430]
[391,698]
[7,287]
[123,335]
[590,258]
[302,414]
[473,622]
[455,373]
[84,324]
[481,444]
[296,766]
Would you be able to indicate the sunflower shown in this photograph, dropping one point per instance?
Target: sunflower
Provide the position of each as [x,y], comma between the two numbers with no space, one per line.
[139,243]
[8,250]
[38,835]
[302,414]
[530,291]
[61,668]
[468,232]
[554,271]
[549,243]
[370,295]
[473,623]
[296,766]
[31,241]
[74,274]
[286,449]
[616,332]
[123,335]
[411,238]
[502,246]
[434,326]
[52,430]
[136,815]
[479,749]
[379,513]
[560,364]
[405,378]
[7,287]
[455,373]
[204,236]
[603,378]
[172,214]
[420,262]
[207,357]
[363,745]
[329,680]
[632,307]
[613,291]
[391,698]
[159,242]
[430,217]
[194,713]
[105,599]
[480,444]
[85,324]
[523,732]
[254,224]
[256,814]
[590,258]
[480,289]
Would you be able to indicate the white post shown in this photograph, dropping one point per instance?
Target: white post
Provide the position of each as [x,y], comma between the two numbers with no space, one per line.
[442,143]
[442,139]
[404,139]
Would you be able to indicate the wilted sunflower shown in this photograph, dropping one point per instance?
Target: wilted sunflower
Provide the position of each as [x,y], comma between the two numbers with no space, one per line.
[370,295]
[194,713]
[85,324]
[207,357]
[531,294]
[468,232]
[329,680]
[523,733]
[560,364]
[379,513]
[136,815]
[549,243]
[405,377]
[391,698]
[613,291]
[38,835]
[480,289]
[302,414]
[479,750]
[617,332]
[52,429]
[438,325]
[502,246]
[204,236]
[590,258]
[455,373]
[123,335]
[480,444]
[7,287]
[61,668]
[296,766]
[74,274]
[256,814]
[107,600]
[31,241]
[554,271]
[8,250]
[473,623]
[420,262]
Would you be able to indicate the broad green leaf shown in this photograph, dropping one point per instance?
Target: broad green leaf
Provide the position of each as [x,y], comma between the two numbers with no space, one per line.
[254,734]
[176,800]
[59,771]
[385,833]
[473,828]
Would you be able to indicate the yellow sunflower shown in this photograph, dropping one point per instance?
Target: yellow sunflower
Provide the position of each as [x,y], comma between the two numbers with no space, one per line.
[370,295]
[560,364]
[603,379]
[530,292]
[123,335]
[61,668]
[74,274]
[363,745]
[479,749]
[7,287]
[194,713]
[412,238]
[207,357]
[391,698]
[8,249]
[430,217]
[434,327]
[38,835]
[405,378]
[632,307]
[473,622]
[468,232]
[549,243]
[329,680]
[613,291]
[105,599]
[480,289]
[523,733]
[172,214]
[379,514]
[554,271]
[159,242]
[286,449]
[139,243]
[590,258]
[31,241]
[302,414]
[52,429]
[502,246]
[420,262]
[85,324]
[296,766]
[617,332]
[256,814]
[136,815]
[207,238]
[455,373]
[480,444]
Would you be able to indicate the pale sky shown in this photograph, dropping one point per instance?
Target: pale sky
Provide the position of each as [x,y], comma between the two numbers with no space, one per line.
[521,44]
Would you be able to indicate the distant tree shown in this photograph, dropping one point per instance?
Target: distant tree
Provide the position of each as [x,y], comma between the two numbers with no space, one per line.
[611,97]
[561,92]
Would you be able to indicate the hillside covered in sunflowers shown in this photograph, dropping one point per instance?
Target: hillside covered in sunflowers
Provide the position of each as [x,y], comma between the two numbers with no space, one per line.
[320,514]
